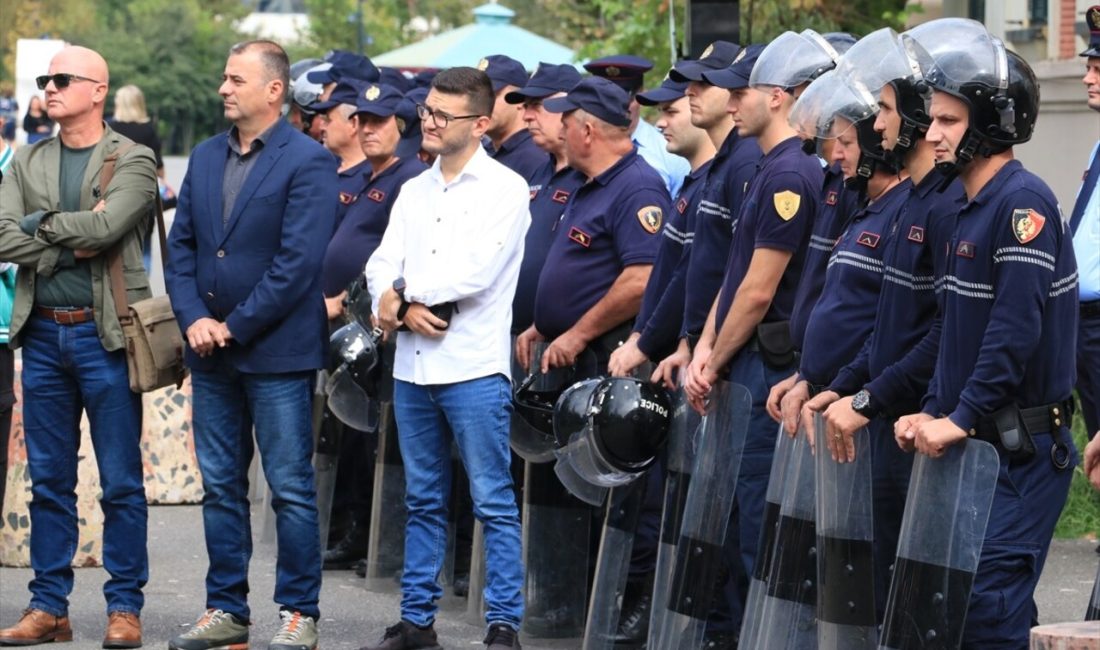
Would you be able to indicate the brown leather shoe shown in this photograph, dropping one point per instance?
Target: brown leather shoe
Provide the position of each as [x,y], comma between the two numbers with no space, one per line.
[36,626]
[123,631]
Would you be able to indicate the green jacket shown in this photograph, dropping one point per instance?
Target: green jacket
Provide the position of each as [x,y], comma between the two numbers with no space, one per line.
[32,184]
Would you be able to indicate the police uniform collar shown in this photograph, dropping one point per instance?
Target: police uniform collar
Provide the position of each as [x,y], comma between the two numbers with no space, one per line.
[884,199]
[930,182]
[696,174]
[515,140]
[995,184]
[622,163]
[392,169]
[357,168]
[726,149]
[793,142]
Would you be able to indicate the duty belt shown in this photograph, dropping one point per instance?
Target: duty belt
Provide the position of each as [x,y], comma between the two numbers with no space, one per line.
[1036,420]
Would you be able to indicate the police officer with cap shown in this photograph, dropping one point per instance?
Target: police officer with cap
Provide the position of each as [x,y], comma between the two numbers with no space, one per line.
[747,335]
[551,185]
[608,234]
[733,166]
[511,143]
[344,65]
[1085,224]
[1005,368]
[303,94]
[340,135]
[628,72]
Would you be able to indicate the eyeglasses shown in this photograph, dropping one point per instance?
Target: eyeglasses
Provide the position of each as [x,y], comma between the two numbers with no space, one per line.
[440,119]
[60,80]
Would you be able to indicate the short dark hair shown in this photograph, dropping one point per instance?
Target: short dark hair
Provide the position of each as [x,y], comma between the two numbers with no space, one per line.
[275,61]
[472,84]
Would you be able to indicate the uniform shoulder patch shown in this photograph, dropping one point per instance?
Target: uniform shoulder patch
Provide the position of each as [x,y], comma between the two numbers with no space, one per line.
[651,217]
[1027,224]
[916,234]
[786,204]
[346,198]
[560,196]
[580,236]
[830,198]
[376,195]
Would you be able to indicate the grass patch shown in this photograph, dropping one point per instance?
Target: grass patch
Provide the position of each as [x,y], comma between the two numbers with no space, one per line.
[1081,516]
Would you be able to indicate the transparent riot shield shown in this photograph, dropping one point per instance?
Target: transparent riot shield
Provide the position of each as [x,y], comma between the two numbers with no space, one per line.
[946,514]
[1093,611]
[386,548]
[769,528]
[788,618]
[681,622]
[680,459]
[327,431]
[475,600]
[845,534]
[624,505]
[556,529]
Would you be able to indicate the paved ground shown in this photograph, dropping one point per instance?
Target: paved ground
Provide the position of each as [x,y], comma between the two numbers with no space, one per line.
[352,615]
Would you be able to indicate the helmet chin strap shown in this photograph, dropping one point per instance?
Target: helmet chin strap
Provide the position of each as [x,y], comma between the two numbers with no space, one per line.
[964,154]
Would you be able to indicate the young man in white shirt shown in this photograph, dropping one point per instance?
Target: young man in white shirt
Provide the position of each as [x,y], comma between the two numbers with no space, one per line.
[447,269]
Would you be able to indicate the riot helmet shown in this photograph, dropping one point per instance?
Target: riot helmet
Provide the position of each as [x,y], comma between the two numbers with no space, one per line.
[533,399]
[793,59]
[352,375]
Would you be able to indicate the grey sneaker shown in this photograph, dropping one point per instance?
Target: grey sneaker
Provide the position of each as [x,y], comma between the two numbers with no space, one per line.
[215,630]
[296,632]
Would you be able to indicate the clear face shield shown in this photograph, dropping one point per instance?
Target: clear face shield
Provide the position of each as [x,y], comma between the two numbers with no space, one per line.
[793,59]
[829,97]
[353,359]
[952,52]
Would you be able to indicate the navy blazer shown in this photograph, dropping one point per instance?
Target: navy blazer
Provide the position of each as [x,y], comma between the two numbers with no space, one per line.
[261,272]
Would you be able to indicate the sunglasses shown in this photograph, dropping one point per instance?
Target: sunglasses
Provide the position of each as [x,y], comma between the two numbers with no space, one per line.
[60,80]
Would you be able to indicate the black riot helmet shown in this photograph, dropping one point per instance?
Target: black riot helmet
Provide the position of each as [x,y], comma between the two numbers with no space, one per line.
[533,398]
[353,373]
[626,418]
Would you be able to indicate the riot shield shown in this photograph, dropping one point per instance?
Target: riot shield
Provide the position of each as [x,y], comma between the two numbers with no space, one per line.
[788,618]
[1093,611]
[327,431]
[682,611]
[769,527]
[942,532]
[475,600]
[555,554]
[680,455]
[624,505]
[845,534]
[386,549]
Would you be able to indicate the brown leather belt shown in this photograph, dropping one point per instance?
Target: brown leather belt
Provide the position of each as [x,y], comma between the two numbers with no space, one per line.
[66,316]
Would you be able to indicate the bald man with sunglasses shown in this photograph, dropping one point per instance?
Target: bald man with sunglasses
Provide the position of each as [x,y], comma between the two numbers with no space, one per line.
[60,222]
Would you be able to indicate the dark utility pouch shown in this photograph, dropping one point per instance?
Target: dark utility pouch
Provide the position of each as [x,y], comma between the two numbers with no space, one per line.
[774,340]
[442,311]
[1013,433]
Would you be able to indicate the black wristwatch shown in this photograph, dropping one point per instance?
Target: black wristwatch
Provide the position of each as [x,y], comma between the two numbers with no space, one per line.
[861,403]
[399,289]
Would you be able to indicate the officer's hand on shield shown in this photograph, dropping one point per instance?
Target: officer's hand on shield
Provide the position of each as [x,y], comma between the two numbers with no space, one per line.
[673,368]
[626,357]
[1092,461]
[815,405]
[841,422]
[695,384]
[388,305]
[525,347]
[935,436]
[790,407]
[905,429]
[421,320]
[563,351]
[775,397]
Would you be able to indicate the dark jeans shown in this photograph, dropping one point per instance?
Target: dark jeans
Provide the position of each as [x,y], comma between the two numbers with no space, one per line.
[1088,372]
[7,402]
[66,371]
[227,405]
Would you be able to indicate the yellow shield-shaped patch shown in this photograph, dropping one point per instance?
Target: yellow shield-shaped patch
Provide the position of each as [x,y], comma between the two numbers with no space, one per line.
[786,204]
[651,217]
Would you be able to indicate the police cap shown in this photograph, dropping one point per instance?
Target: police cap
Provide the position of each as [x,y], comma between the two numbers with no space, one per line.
[1092,18]
[599,97]
[347,91]
[625,70]
[718,55]
[736,75]
[344,65]
[503,71]
[548,79]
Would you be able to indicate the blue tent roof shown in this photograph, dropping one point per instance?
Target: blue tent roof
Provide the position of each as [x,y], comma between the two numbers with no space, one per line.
[492,32]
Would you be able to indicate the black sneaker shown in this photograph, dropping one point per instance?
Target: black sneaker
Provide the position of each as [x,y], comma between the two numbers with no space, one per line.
[406,636]
[502,637]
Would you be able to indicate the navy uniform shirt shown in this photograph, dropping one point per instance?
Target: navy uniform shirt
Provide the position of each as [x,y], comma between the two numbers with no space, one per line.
[777,213]
[837,206]
[845,312]
[611,222]
[662,311]
[520,154]
[721,196]
[1010,303]
[351,184]
[360,232]
[653,147]
[550,191]
[897,361]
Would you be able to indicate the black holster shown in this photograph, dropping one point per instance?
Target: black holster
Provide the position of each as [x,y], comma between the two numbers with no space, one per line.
[776,348]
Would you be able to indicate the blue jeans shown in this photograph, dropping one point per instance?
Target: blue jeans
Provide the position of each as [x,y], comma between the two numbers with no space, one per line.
[476,413]
[227,404]
[67,371]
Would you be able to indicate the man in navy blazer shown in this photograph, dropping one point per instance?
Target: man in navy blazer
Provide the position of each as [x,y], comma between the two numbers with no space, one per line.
[256,211]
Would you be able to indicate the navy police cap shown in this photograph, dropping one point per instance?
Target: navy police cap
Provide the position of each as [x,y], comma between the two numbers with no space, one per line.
[597,96]
[347,91]
[625,70]
[382,100]
[736,75]
[718,55]
[548,79]
[344,65]
[668,91]
[503,71]
[1092,18]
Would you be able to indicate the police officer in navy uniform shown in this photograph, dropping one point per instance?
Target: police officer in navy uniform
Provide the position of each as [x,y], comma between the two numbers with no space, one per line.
[1005,363]
[340,135]
[725,183]
[511,144]
[747,335]
[551,185]
[608,234]
[628,72]
[1085,225]
[342,65]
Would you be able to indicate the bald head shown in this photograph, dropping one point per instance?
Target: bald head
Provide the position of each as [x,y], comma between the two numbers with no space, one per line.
[75,59]
[78,105]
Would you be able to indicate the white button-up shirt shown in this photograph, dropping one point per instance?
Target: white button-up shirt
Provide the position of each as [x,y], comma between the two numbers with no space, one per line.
[459,242]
